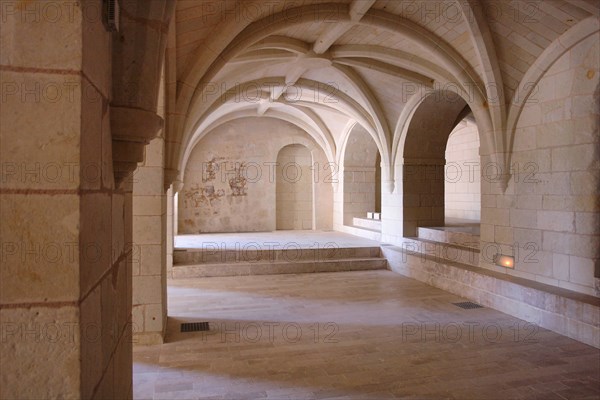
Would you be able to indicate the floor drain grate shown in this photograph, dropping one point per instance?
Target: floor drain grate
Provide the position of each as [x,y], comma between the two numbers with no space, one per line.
[194,326]
[467,305]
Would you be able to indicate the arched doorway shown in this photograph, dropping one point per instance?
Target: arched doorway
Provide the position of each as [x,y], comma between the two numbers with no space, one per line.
[294,188]
[462,192]
[362,176]
[425,172]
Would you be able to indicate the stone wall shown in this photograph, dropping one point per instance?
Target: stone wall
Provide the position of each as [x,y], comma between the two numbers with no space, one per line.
[294,184]
[549,215]
[65,278]
[149,247]
[359,175]
[463,173]
[230,178]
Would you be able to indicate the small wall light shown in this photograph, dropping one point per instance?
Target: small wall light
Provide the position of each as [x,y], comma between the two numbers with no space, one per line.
[505,261]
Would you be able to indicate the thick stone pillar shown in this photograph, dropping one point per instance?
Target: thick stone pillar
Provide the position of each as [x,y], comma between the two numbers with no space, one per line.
[64,276]
[338,202]
[391,204]
[65,236]
[150,247]
[171,225]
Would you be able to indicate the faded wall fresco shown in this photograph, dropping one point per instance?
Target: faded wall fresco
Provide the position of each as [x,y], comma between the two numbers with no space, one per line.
[230,182]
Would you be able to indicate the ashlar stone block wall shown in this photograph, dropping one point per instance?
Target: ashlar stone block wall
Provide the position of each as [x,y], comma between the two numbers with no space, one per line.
[549,217]
[462,182]
[229,183]
[358,175]
[65,276]
[294,188]
[149,247]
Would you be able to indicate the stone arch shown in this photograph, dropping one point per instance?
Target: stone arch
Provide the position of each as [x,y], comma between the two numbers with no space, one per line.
[359,174]
[423,158]
[462,193]
[198,74]
[563,161]
[209,201]
[529,82]
[295,194]
[309,122]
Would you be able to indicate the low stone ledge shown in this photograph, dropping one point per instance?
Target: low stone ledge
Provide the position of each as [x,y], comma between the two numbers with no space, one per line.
[560,310]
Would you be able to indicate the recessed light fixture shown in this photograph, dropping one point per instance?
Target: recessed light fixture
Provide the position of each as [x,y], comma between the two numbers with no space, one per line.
[505,261]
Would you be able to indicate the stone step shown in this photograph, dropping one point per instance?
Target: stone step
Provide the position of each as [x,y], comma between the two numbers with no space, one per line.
[276,267]
[372,224]
[363,232]
[462,238]
[446,251]
[563,311]
[253,253]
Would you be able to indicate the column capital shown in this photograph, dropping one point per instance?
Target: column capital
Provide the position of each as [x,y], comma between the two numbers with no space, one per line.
[132,129]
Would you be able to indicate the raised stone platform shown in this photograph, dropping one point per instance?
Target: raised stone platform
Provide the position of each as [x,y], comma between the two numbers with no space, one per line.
[367,223]
[468,237]
[368,228]
[281,252]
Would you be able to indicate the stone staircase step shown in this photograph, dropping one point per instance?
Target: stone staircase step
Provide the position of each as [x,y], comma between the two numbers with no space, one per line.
[367,223]
[363,232]
[291,253]
[270,268]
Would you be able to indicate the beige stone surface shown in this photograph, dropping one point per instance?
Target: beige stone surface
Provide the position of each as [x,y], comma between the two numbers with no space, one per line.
[462,182]
[377,335]
[44,152]
[25,30]
[58,201]
[208,204]
[40,265]
[82,236]
[43,340]
[294,198]
[149,256]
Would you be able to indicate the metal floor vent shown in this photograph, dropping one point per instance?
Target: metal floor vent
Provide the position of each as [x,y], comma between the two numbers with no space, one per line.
[467,305]
[194,326]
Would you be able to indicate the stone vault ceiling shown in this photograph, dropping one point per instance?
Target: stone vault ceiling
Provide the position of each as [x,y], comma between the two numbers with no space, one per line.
[326,65]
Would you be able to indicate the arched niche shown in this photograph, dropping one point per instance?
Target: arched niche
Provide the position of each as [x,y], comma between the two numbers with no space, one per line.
[295,194]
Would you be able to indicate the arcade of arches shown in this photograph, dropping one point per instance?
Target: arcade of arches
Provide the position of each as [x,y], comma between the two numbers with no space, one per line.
[409,123]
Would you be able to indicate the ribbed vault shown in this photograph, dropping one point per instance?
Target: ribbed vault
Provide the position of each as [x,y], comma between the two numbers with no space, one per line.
[322,65]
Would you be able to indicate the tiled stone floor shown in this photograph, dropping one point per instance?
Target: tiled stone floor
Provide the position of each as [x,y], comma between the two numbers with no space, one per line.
[353,335]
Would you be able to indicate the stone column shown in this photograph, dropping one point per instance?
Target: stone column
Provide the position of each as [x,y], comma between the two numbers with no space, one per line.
[150,247]
[64,276]
[170,231]
[391,205]
[338,201]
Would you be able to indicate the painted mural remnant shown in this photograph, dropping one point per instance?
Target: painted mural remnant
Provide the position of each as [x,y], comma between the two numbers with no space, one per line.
[238,182]
[210,169]
[196,196]
[222,187]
